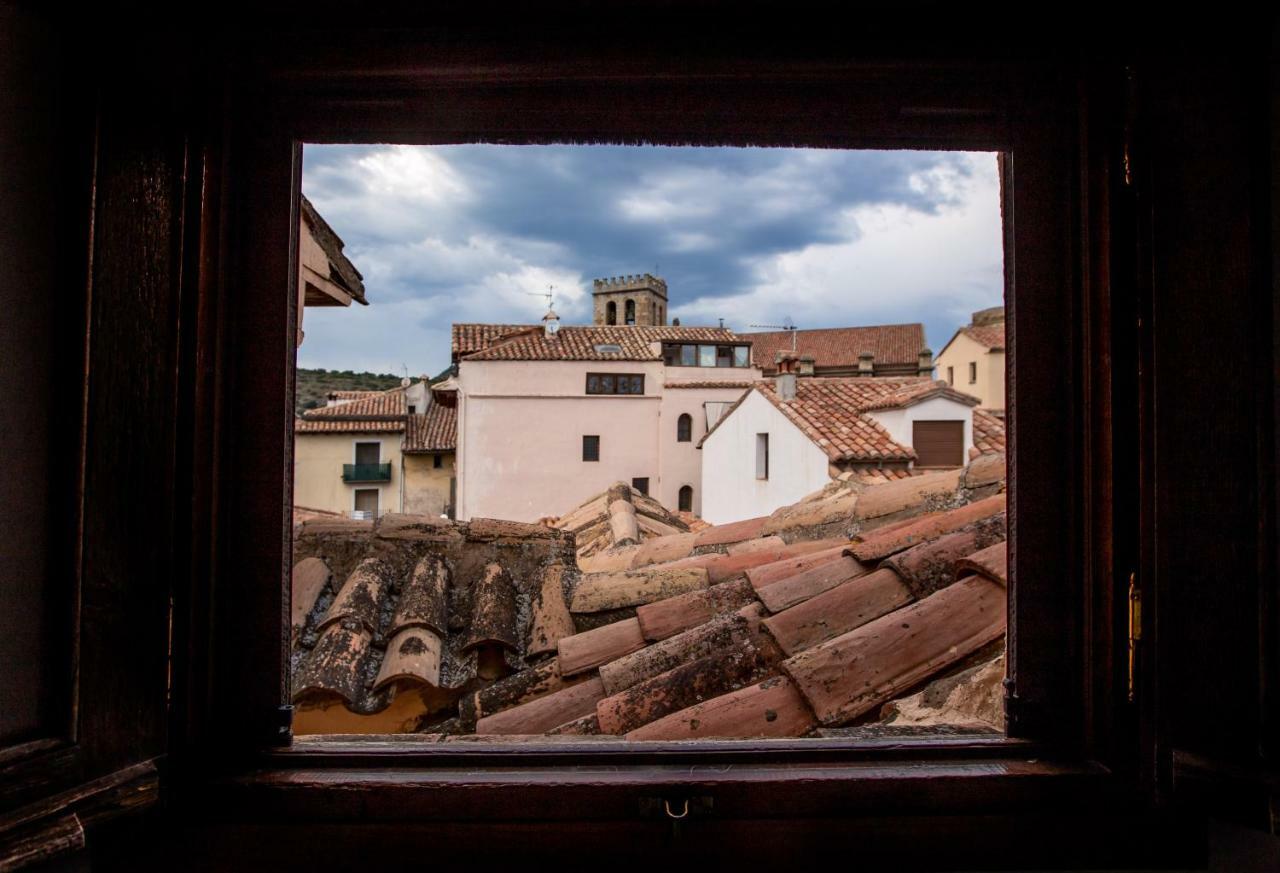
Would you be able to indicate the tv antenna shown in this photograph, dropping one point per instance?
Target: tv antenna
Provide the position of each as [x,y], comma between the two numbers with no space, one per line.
[549,294]
[787,325]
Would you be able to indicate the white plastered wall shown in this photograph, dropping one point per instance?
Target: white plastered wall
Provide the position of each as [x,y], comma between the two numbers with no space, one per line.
[730,489]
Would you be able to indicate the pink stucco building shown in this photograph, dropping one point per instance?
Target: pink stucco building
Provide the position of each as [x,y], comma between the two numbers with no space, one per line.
[550,415]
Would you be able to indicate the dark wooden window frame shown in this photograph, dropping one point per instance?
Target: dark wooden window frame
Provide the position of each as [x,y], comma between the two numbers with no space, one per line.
[590,448]
[1063,648]
[684,428]
[615,392]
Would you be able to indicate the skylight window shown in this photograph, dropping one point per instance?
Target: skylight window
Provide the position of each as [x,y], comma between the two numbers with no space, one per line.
[608,348]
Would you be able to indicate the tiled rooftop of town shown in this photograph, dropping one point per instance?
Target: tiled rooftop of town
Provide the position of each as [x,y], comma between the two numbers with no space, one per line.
[617,621]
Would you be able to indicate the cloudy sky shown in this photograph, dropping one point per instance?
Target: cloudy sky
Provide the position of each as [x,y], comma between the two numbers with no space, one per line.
[477,232]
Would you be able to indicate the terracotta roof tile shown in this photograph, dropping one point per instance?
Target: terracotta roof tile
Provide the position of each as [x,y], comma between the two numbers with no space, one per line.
[840,346]
[435,430]
[830,411]
[468,338]
[373,404]
[368,412]
[579,342]
[989,335]
[988,433]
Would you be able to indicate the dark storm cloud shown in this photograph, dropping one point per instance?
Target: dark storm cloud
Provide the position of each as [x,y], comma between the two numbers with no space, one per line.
[472,232]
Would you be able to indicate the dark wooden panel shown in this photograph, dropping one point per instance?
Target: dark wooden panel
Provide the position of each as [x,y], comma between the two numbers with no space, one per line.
[28,248]
[128,535]
[1211,362]
[938,443]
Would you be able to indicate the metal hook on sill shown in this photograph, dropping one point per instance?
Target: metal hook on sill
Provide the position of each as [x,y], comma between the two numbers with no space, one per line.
[666,804]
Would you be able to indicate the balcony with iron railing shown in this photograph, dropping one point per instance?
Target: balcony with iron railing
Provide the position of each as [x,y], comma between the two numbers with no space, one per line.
[366,472]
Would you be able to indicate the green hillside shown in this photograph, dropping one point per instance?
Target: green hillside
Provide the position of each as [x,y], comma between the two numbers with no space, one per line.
[315,385]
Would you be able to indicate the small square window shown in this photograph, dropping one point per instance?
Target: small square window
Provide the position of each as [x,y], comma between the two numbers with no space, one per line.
[641,485]
[591,448]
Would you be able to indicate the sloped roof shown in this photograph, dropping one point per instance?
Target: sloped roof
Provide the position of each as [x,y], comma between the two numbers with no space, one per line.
[341,271]
[790,625]
[580,342]
[840,346]
[988,432]
[361,412]
[989,336]
[832,411]
[436,430]
[468,338]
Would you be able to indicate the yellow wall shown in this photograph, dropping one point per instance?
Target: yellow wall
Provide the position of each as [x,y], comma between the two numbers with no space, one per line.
[989,387]
[317,471]
[426,489]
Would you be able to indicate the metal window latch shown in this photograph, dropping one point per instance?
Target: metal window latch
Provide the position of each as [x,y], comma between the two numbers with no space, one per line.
[1135,633]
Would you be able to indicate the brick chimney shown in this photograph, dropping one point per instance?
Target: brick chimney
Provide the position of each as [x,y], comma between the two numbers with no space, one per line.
[925,365]
[788,363]
[866,364]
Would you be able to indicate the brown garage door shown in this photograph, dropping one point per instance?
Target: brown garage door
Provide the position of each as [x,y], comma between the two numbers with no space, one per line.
[939,443]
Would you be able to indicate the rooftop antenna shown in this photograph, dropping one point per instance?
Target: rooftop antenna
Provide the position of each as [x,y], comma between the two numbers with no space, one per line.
[549,294]
[787,324]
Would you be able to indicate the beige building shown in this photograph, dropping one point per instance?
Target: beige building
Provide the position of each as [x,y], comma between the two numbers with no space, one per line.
[429,451]
[372,452]
[973,361]
[325,276]
[550,415]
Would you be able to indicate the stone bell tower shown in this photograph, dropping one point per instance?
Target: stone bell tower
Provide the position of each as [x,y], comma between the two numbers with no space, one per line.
[635,300]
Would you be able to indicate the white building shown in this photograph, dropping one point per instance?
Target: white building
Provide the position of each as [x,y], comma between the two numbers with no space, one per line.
[788,437]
